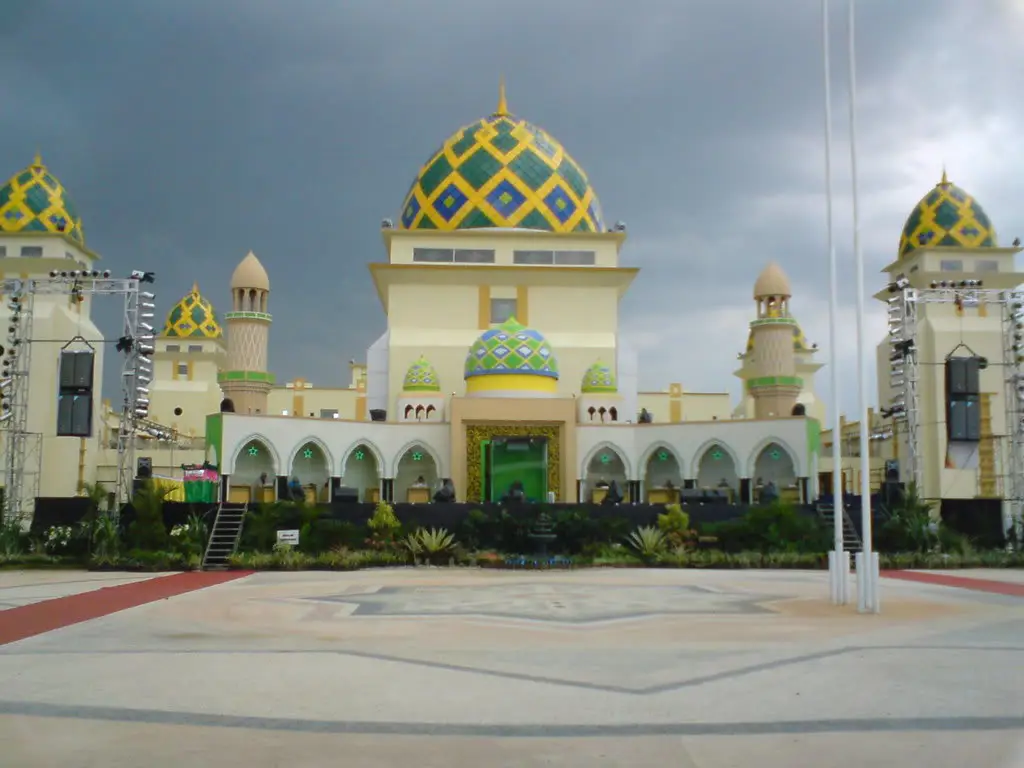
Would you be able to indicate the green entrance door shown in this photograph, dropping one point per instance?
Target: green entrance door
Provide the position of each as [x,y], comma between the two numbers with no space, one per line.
[507,460]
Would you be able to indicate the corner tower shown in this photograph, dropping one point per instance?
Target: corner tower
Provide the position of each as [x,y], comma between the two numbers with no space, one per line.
[246,382]
[773,385]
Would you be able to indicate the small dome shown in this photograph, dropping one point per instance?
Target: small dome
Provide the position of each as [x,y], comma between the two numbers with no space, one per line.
[599,379]
[501,171]
[250,274]
[421,377]
[193,317]
[511,349]
[33,200]
[947,216]
[772,282]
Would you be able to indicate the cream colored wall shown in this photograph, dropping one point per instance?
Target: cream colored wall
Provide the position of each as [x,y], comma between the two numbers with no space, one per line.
[60,464]
[194,390]
[605,245]
[692,406]
[284,401]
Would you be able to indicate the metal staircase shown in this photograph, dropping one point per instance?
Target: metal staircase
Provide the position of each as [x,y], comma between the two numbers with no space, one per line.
[851,538]
[224,536]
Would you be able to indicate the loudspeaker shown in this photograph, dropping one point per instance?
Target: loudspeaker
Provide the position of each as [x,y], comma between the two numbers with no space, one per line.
[964,419]
[892,471]
[378,414]
[963,376]
[342,494]
[76,369]
[74,414]
[144,467]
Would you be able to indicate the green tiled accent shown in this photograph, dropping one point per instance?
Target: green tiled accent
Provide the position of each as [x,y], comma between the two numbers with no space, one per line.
[775,381]
[479,168]
[33,200]
[511,348]
[533,171]
[245,376]
[215,436]
[248,316]
[947,216]
[435,174]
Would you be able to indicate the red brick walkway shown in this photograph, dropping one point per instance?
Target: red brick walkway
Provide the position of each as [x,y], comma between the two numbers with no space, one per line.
[47,615]
[960,582]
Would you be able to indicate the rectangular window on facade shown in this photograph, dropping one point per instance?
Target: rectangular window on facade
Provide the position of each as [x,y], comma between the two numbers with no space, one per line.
[195,347]
[433,255]
[474,256]
[174,348]
[533,257]
[502,310]
[31,251]
[183,369]
[986,265]
[951,265]
[3,251]
[575,258]
[328,413]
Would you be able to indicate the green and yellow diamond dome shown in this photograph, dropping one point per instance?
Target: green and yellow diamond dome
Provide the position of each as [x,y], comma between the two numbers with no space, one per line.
[511,358]
[599,379]
[421,377]
[193,317]
[33,200]
[947,216]
[502,171]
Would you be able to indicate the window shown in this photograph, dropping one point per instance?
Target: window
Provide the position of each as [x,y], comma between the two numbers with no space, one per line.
[502,309]
[986,265]
[174,348]
[474,257]
[195,347]
[433,255]
[575,258]
[3,251]
[30,251]
[533,257]
[328,413]
[183,369]
[952,265]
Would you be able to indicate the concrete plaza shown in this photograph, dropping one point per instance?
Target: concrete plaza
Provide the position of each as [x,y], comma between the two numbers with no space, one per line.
[443,667]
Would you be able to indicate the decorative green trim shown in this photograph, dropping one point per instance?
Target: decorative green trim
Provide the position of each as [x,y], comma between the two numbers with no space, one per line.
[245,376]
[249,316]
[813,436]
[215,435]
[773,321]
[776,381]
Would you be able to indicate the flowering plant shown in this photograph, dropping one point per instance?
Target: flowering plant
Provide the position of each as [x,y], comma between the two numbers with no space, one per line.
[58,537]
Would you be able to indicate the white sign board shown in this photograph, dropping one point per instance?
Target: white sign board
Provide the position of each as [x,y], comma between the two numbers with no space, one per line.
[288,537]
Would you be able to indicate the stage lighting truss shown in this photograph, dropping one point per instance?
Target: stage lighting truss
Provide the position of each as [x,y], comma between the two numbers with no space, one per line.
[904,405]
[1013,363]
[15,364]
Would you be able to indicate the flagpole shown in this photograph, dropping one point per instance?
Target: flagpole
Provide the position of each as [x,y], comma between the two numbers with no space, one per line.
[867,579]
[839,562]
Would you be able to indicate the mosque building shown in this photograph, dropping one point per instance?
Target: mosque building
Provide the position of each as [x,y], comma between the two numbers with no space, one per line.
[501,359]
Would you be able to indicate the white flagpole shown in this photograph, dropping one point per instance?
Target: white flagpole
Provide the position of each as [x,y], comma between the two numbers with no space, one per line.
[837,571]
[866,570]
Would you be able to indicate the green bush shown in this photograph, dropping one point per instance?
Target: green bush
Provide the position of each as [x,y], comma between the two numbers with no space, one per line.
[147,531]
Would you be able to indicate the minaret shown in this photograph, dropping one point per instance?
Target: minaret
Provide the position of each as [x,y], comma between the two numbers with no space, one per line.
[246,381]
[774,385]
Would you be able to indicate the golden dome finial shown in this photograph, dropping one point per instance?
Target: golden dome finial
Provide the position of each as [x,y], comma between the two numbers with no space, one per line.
[945,179]
[37,160]
[195,286]
[502,101]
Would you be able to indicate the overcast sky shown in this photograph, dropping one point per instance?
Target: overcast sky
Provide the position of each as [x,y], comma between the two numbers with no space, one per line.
[190,131]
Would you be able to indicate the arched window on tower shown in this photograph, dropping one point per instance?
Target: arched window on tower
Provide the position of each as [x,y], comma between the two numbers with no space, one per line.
[602,412]
[419,412]
[408,411]
[430,410]
[591,410]
[614,413]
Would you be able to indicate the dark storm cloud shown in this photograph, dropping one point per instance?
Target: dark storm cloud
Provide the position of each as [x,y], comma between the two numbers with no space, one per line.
[190,132]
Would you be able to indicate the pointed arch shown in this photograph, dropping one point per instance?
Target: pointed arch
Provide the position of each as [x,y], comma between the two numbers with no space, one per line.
[706,446]
[368,444]
[772,440]
[256,437]
[311,440]
[442,469]
[604,445]
[654,448]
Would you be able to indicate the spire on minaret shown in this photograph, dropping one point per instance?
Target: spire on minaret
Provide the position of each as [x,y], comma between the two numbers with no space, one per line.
[945,179]
[37,161]
[502,101]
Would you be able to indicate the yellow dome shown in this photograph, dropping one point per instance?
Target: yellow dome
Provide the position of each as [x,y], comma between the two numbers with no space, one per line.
[33,200]
[501,171]
[947,216]
[193,317]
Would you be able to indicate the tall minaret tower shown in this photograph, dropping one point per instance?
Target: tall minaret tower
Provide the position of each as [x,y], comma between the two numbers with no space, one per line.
[774,385]
[246,381]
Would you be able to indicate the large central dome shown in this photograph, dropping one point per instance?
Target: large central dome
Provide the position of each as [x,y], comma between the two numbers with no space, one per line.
[501,172]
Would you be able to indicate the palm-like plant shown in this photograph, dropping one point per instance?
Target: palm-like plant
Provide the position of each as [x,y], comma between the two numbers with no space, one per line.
[647,540]
[430,543]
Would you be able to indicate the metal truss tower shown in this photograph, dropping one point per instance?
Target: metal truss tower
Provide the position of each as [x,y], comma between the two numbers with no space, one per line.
[1013,357]
[21,446]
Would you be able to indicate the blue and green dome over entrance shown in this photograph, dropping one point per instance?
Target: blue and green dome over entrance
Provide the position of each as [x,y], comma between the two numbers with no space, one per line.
[193,318]
[421,377]
[33,200]
[511,349]
[599,379]
[947,216]
[502,172]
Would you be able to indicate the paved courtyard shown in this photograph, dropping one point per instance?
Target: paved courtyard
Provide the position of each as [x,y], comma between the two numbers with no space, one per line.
[438,667]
